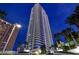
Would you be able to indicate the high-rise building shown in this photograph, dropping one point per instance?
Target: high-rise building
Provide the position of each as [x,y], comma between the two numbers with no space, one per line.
[39,32]
[8,34]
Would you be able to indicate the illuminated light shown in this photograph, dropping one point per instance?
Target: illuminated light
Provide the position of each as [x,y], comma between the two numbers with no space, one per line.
[59,49]
[27,50]
[51,51]
[39,50]
[36,52]
[18,25]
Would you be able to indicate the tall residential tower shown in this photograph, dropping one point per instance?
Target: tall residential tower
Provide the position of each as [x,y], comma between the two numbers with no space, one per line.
[8,34]
[39,32]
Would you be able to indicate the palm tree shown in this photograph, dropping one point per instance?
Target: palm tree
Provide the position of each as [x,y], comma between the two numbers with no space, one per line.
[57,37]
[64,33]
[76,36]
[19,46]
[26,45]
[2,14]
[43,49]
[77,10]
[74,18]
[69,37]
[70,32]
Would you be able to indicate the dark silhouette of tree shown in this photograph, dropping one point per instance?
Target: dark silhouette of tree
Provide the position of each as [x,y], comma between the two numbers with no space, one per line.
[57,37]
[74,18]
[19,46]
[26,45]
[2,14]
[43,49]
[67,33]
[76,36]
[69,37]
[77,10]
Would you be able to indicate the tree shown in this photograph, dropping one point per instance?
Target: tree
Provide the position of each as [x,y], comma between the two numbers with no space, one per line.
[77,10]
[2,14]
[65,34]
[57,37]
[26,45]
[43,49]
[74,18]
[19,46]
[70,38]
[76,36]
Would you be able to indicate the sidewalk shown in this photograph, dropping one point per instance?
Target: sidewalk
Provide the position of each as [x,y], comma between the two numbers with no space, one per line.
[76,50]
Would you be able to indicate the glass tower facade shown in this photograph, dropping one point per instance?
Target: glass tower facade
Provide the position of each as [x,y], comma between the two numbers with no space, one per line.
[39,32]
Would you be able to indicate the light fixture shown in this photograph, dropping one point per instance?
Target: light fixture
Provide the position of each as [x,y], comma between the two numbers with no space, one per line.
[18,25]
[27,50]
[36,52]
[39,50]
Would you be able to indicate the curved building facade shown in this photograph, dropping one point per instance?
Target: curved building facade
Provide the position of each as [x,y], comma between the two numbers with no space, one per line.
[39,32]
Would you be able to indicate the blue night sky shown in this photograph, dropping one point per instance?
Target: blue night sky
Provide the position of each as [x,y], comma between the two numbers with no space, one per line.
[20,13]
